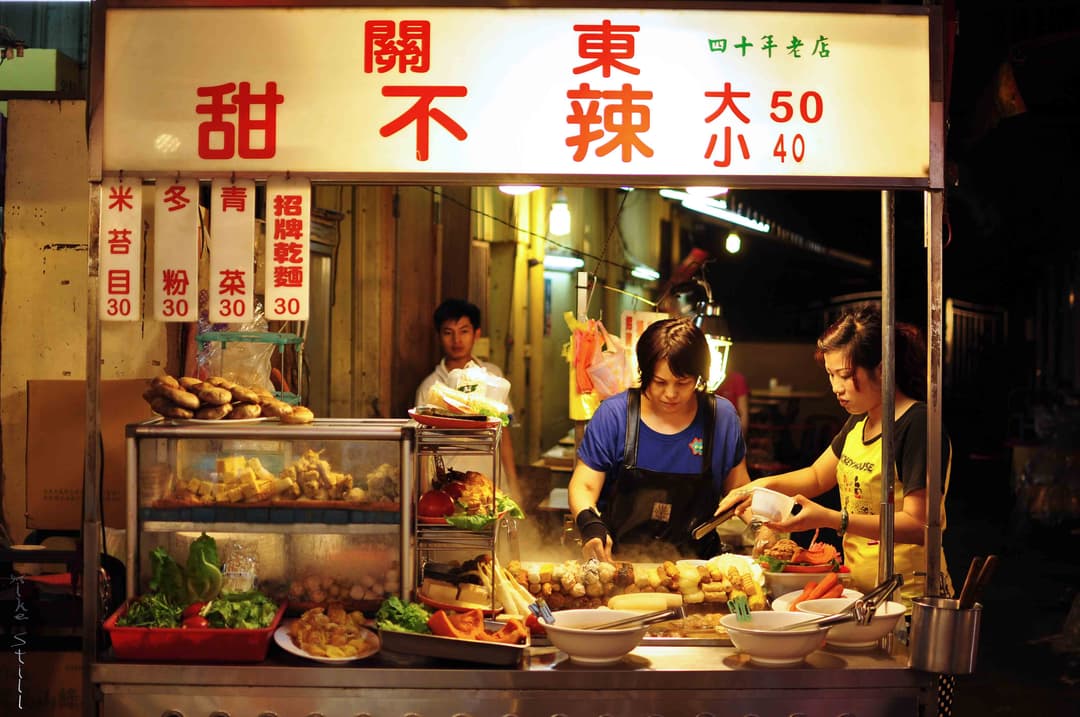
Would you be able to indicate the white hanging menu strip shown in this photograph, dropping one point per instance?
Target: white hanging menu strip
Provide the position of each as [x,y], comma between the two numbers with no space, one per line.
[232,250]
[288,223]
[176,250]
[120,249]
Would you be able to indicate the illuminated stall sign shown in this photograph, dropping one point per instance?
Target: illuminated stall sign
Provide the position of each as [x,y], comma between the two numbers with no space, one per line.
[288,219]
[232,250]
[120,249]
[175,272]
[408,91]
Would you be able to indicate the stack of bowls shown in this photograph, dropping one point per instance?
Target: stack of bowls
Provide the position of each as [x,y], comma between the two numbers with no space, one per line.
[852,634]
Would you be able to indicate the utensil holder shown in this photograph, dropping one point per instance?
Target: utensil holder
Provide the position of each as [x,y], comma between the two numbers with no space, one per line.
[944,638]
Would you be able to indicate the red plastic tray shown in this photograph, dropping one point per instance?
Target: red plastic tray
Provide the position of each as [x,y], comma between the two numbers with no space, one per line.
[190,644]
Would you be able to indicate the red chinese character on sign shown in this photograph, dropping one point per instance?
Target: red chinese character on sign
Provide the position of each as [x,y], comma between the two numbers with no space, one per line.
[176,197]
[624,117]
[727,102]
[121,198]
[232,282]
[725,158]
[174,282]
[422,112]
[119,281]
[288,205]
[289,276]
[288,253]
[405,47]
[606,45]
[288,229]
[238,140]
[233,198]
[119,241]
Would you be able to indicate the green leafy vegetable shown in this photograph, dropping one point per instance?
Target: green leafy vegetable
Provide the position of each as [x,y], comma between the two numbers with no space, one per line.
[203,574]
[168,577]
[505,506]
[152,610]
[249,610]
[400,616]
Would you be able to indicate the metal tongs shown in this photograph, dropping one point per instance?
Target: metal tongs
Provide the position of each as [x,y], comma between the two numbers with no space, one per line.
[860,611]
[646,618]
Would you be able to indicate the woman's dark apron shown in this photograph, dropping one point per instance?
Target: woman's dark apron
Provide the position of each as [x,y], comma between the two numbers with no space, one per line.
[651,513]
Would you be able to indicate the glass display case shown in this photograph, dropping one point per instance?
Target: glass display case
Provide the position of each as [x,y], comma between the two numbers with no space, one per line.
[307,513]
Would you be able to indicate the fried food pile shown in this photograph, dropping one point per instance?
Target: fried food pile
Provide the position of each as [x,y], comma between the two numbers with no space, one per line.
[573,584]
[333,633]
[218,398]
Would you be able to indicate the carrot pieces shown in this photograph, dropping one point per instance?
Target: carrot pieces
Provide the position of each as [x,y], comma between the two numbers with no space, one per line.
[807,590]
[827,583]
[837,591]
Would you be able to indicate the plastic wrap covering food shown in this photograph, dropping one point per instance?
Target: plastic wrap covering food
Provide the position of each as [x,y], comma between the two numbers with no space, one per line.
[356,571]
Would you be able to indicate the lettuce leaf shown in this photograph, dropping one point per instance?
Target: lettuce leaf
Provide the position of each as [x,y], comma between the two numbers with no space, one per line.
[203,572]
[168,578]
[399,616]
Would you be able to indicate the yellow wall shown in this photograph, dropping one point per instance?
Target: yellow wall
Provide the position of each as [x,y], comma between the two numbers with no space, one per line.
[43,326]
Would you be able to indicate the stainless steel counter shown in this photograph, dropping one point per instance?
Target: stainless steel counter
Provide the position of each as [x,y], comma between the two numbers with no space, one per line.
[650,681]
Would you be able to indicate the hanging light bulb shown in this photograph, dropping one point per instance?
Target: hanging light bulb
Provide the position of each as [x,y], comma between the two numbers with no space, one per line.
[733,243]
[517,189]
[559,217]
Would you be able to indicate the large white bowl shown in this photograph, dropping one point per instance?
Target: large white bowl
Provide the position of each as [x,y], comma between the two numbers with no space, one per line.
[593,647]
[759,639]
[852,634]
[782,583]
[783,603]
[770,505]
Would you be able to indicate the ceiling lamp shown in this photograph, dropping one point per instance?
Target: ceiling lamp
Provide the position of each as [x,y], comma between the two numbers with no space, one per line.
[706,191]
[646,273]
[708,206]
[733,243]
[517,189]
[559,217]
[562,262]
[709,317]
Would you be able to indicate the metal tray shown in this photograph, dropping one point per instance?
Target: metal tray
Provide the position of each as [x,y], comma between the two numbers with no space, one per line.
[449,648]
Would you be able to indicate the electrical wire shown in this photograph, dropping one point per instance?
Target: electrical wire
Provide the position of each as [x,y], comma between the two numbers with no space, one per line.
[547,240]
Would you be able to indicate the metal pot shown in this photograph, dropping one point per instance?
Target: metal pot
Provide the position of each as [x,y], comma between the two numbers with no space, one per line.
[944,637]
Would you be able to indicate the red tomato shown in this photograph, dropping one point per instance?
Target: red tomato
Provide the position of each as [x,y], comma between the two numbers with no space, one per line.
[192,610]
[435,504]
[195,621]
[454,488]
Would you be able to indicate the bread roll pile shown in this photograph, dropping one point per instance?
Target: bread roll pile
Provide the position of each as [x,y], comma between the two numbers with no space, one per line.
[218,398]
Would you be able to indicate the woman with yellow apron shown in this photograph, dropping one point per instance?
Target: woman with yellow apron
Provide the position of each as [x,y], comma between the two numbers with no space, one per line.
[850,350]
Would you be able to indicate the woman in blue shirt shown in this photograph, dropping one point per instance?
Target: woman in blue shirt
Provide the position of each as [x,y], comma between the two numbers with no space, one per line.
[656,461]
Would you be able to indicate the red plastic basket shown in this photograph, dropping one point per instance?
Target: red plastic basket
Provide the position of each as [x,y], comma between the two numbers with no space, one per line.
[190,644]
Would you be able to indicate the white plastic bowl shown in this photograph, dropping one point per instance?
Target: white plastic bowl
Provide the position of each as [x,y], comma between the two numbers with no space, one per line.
[852,634]
[783,603]
[759,639]
[783,583]
[769,505]
[594,647]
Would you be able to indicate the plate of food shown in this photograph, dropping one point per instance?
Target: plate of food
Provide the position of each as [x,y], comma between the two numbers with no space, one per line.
[444,419]
[335,642]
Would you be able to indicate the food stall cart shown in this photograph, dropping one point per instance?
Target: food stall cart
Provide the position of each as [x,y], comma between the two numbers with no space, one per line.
[225,108]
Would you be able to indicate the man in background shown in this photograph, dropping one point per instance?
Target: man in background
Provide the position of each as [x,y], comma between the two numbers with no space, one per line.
[457,324]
